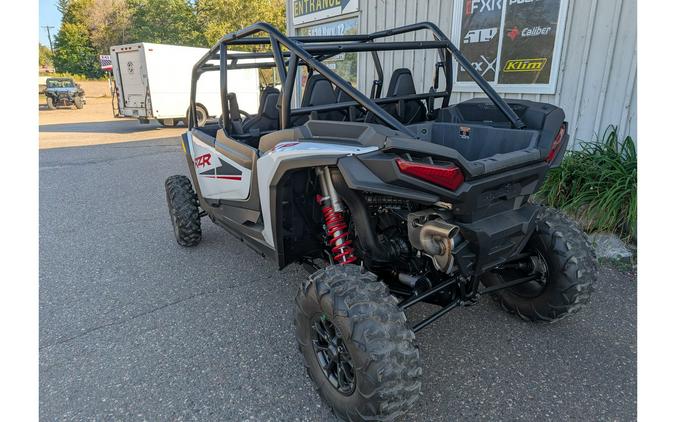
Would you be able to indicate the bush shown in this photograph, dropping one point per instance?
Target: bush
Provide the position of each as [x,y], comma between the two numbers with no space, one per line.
[598,185]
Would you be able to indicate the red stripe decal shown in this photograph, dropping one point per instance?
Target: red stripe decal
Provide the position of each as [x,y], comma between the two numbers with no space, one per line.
[224,177]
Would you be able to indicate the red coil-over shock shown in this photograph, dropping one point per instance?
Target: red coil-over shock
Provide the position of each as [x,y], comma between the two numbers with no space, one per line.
[336,227]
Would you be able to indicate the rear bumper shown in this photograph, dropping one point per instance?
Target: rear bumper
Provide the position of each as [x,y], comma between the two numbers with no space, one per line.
[493,240]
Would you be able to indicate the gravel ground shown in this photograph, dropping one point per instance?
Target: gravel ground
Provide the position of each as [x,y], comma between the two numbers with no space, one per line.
[134,327]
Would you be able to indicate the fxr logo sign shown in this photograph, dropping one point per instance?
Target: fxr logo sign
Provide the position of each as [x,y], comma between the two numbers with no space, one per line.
[525,65]
[480,35]
[480,6]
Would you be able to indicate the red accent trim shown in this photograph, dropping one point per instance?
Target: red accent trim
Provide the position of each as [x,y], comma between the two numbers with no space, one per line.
[223,177]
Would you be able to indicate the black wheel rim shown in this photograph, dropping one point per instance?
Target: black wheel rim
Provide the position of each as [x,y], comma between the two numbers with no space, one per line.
[332,355]
[532,264]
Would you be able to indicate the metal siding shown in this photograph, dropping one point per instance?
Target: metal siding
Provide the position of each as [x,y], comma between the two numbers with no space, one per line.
[596,85]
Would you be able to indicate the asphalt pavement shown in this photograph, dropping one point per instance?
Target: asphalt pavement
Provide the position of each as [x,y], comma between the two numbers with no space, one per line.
[135,327]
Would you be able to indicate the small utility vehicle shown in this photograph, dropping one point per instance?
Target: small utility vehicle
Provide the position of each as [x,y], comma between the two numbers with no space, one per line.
[388,200]
[64,92]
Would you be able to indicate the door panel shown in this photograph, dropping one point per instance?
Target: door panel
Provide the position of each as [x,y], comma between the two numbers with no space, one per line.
[219,176]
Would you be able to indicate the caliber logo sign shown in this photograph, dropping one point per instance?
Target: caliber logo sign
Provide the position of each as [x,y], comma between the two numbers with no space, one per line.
[525,65]
[480,35]
[534,31]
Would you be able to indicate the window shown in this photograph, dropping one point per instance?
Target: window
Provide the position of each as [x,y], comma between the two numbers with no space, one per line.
[514,44]
[343,64]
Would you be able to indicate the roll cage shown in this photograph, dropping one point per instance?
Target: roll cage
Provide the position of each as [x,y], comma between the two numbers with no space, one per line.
[290,52]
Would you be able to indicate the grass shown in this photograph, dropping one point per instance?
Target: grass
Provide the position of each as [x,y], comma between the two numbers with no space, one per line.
[598,185]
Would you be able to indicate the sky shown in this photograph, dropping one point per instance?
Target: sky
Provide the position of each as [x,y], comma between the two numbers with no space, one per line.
[49,15]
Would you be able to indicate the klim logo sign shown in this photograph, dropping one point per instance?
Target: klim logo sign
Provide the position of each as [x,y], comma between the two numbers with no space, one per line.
[525,65]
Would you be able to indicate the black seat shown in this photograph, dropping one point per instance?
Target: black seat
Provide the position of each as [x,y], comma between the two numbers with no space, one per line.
[236,126]
[353,113]
[407,111]
[267,118]
[318,91]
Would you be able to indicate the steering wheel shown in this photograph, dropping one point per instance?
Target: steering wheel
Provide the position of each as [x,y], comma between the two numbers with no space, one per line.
[241,113]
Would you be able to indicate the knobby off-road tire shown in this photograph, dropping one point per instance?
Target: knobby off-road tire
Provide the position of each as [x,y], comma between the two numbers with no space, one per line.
[572,271]
[183,210]
[50,103]
[79,104]
[372,329]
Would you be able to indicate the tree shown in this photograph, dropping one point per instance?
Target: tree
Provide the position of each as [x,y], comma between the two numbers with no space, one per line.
[165,21]
[74,52]
[219,17]
[45,56]
[108,22]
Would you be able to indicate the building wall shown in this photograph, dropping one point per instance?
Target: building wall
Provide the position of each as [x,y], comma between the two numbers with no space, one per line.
[597,83]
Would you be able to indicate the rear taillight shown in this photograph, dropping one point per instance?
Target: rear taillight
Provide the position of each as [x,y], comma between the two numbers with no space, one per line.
[555,146]
[449,177]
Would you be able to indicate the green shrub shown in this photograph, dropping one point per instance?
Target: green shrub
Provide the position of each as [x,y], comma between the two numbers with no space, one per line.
[598,185]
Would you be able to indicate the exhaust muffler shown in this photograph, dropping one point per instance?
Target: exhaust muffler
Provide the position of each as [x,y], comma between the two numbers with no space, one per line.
[433,236]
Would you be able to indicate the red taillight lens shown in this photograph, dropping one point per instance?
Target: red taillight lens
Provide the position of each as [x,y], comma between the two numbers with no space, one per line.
[447,177]
[555,146]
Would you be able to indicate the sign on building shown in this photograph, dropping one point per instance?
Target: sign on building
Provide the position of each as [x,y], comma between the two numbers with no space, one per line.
[514,44]
[312,10]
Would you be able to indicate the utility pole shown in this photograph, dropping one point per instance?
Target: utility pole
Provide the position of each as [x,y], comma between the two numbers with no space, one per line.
[49,35]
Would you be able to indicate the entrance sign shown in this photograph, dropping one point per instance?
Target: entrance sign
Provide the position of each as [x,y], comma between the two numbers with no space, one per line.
[312,10]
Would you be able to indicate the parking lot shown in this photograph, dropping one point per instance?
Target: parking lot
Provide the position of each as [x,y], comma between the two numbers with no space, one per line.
[134,327]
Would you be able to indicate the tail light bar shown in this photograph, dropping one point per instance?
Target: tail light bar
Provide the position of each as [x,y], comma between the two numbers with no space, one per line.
[449,177]
[557,142]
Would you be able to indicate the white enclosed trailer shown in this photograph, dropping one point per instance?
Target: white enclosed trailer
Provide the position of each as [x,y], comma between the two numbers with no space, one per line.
[152,81]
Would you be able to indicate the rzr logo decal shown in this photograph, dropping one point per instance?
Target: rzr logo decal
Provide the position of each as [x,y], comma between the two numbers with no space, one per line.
[225,171]
[203,160]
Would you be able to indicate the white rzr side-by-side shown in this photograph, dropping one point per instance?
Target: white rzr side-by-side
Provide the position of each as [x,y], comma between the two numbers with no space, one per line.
[388,199]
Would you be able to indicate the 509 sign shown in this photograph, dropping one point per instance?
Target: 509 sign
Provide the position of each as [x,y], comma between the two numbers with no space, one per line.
[510,42]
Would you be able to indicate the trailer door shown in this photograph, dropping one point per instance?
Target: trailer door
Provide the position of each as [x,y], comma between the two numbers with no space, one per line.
[133,77]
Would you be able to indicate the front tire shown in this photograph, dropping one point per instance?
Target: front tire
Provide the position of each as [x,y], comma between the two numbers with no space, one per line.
[357,348]
[50,103]
[568,265]
[79,104]
[183,210]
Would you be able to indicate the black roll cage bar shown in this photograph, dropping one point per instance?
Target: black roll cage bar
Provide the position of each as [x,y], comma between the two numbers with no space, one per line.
[312,50]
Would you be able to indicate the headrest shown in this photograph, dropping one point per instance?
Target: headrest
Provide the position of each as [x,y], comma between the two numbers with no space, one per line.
[268,102]
[267,93]
[401,83]
[318,91]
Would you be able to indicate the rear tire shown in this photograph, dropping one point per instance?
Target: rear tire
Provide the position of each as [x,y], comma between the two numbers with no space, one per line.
[183,210]
[571,270]
[79,104]
[50,103]
[381,373]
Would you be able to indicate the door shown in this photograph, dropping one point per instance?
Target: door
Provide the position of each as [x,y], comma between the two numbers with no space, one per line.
[219,176]
[133,77]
